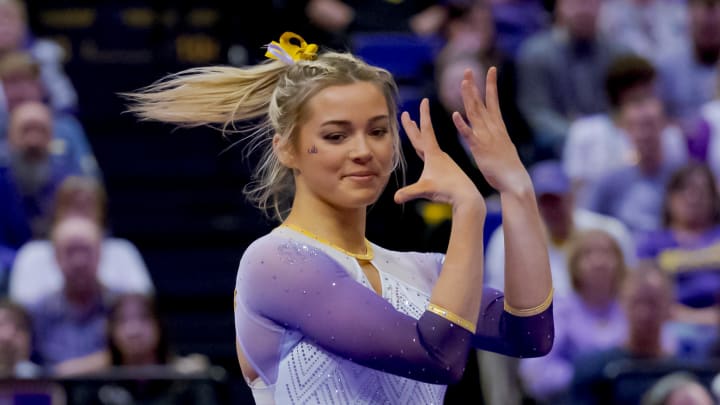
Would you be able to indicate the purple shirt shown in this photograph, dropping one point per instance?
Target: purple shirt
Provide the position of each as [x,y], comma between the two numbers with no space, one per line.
[578,329]
[695,265]
[64,332]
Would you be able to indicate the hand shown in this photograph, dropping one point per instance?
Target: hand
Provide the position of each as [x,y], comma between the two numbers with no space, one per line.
[441,180]
[487,136]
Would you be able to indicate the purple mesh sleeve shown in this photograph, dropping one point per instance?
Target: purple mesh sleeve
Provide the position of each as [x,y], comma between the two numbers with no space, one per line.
[300,288]
[502,332]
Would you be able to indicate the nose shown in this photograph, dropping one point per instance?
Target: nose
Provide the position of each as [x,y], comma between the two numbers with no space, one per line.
[361,151]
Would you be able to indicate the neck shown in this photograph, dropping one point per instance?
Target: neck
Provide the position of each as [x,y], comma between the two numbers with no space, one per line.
[645,344]
[83,299]
[342,227]
[596,302]
[649,165]
[689,230]
[140,359]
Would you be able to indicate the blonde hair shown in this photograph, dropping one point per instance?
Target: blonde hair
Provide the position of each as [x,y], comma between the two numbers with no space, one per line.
[271,94]
[576,252]
[70,187]
[18,62]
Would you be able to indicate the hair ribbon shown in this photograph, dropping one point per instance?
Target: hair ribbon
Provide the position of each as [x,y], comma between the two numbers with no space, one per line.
[289,51]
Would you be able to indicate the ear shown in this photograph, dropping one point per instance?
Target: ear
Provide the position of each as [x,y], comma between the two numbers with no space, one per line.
[283,151]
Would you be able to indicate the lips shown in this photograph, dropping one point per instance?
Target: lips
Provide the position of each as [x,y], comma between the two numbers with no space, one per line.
[362,175]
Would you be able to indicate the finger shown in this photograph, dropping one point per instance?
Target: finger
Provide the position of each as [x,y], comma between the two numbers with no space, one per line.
[413,133]
[474,107]
[464,128]
[491,93]
[426,128]
[412,192]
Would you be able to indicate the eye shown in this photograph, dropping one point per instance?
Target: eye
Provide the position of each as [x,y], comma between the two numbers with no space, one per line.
[335,137]
[379,132]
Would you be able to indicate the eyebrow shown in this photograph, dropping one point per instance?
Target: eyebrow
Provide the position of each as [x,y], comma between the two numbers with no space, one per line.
[347,123]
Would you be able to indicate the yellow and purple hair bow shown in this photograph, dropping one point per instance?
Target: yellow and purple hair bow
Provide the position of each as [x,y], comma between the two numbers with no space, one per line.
[290,52]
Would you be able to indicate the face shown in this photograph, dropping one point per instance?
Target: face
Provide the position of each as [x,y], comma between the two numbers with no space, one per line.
[14,340]
[647,303]
[11,27]
[136,332]
[692,203]
[642,117]
[579,16]
[449,83]
[78,255]
[343,156]
[598,266]
[20,87]
[30,131]
[690,394]
[555,209]
[705,23]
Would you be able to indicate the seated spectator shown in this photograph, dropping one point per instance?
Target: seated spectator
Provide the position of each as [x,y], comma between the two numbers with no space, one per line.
[589,318]
[560,72]
[678,388]
[121,268]
[136,338]
[20,79]
[16,342]
[70,322]
[599,144]
[16,35]
[646,296]
[686,249]
[35,171]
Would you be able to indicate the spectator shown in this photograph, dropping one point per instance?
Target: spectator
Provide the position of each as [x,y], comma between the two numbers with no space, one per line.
[560,71]
[601,143]
[35,171]
[15,35]
[678,388]
[650,28]
[634,193]
[16,342]
[121,267]
[20,78]
[647,297]
[70,322]
[589,318]
[686,249]
[517,20]
[137,337]
[471,42]
[689,74]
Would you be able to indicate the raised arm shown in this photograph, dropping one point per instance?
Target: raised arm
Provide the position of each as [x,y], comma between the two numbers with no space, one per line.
[528,282]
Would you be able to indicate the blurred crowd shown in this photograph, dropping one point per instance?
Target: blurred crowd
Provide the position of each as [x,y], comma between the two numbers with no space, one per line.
[614,106]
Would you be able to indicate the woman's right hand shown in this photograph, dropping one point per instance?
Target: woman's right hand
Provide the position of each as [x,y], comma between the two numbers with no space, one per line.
[441,180]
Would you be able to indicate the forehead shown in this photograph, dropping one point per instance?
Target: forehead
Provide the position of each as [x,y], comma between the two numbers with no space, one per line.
[350,102]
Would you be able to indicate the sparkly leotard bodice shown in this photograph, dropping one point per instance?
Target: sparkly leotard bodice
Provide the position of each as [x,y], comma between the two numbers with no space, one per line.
[309,322]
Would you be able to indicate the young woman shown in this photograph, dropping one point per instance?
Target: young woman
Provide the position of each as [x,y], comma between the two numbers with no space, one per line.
[321,313]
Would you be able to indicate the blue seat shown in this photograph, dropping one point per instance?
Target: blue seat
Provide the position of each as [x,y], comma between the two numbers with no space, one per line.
[408,57]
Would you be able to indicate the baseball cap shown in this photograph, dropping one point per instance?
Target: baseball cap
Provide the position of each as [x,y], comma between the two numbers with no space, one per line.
[548,177]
